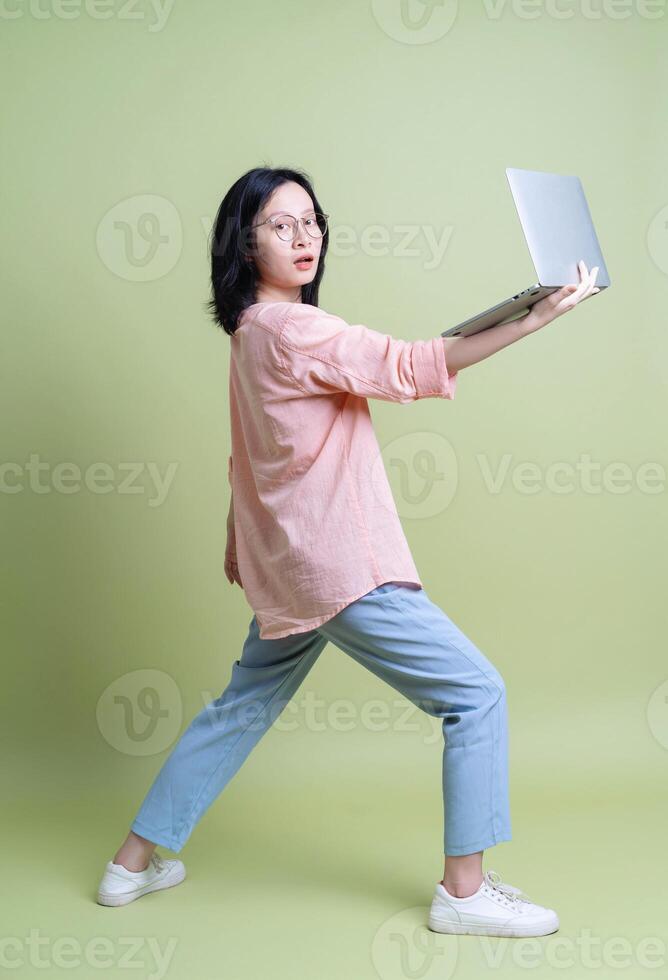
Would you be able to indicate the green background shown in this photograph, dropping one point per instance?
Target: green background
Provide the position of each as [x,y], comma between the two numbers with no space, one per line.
[321,856]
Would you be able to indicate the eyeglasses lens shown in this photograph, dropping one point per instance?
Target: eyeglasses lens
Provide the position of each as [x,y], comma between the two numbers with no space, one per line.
[286,226]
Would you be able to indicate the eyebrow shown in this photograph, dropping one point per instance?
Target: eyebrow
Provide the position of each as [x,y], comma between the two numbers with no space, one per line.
[274,213]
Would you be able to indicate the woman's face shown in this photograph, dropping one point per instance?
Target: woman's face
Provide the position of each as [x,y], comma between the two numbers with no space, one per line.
[279,277]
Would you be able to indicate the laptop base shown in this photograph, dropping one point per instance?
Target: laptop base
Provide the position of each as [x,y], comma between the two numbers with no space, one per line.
[509,309]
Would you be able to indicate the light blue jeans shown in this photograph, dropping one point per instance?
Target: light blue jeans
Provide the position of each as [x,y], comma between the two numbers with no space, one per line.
[398,633]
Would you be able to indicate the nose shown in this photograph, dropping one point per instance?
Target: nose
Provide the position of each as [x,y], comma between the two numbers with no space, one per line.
[301,235]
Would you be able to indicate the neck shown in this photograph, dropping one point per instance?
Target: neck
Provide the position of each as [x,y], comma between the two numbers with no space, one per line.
[274,294]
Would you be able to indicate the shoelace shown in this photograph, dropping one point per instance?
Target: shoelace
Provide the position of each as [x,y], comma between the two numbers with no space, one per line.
[510,894]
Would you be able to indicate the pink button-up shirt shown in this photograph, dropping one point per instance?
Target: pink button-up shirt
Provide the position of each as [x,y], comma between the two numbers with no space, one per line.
[315,522]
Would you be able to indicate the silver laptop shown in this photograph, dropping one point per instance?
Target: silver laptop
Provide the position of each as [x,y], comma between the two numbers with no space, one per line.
[558,229]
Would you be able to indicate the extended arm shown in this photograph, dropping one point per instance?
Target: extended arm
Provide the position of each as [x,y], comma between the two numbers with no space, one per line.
[461,352]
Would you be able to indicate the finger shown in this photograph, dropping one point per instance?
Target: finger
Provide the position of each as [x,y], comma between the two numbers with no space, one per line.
[555,298]
[575,289]
[585,290]
[568,295]
[584,276]
[234,572]
[558,299]
[590,282]
[569,302]
[582,288]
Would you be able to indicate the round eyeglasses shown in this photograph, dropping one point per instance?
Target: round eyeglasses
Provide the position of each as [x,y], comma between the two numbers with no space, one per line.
[285,225]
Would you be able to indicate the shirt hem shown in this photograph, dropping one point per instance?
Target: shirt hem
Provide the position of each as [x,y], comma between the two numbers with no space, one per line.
[318,621]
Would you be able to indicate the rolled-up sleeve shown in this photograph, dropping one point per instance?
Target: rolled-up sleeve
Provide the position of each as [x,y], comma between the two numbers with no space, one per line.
[322,353]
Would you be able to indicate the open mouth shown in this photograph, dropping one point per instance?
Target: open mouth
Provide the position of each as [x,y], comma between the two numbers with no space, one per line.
[304,263]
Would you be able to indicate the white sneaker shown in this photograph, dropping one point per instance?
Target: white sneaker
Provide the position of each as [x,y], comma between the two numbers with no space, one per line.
[120,886]
[495,909]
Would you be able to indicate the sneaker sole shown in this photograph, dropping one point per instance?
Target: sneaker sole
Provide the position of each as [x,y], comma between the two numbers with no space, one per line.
[127,897]
[489,929]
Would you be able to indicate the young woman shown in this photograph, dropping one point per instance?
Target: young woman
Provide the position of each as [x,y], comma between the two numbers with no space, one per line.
[315,541]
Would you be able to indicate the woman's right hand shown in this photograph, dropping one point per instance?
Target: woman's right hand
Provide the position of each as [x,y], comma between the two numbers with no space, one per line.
[232,568]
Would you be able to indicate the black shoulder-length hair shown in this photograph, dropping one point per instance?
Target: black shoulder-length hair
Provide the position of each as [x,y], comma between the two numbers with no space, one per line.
[233,272]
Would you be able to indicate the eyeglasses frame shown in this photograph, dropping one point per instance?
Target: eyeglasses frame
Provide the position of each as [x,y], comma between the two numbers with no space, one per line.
[287,214]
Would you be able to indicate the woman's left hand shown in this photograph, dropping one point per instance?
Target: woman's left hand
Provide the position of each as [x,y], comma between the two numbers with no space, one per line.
[561,301]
